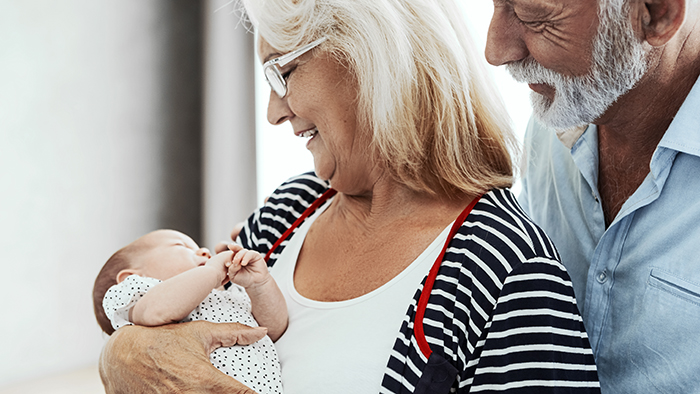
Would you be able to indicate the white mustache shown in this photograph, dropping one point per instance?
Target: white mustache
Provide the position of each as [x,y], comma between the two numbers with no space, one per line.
[530,71]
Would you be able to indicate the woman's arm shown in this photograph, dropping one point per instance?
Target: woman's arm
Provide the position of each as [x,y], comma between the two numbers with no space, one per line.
[173,299]
[536,319]
[172,358]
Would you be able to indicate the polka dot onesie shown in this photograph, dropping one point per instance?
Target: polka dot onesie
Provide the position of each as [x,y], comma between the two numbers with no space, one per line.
[255,365]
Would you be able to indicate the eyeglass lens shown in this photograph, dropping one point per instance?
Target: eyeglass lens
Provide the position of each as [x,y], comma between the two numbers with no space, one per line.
[275,80]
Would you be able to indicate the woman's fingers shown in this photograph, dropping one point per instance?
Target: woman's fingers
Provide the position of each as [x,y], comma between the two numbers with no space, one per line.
[221,247]
[224,245]
[236,230]
[234,247]
[172,358]
[216,335]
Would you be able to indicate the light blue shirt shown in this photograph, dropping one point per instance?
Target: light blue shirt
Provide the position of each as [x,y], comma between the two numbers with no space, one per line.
[637,283]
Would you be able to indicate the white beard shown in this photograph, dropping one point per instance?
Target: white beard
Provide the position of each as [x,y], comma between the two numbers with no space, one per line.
[619,62]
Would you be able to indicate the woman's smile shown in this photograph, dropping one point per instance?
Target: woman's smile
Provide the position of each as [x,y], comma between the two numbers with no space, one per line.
[321,106]
[307,133]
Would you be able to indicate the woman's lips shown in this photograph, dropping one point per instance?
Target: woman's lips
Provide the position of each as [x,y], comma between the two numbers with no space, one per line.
[307,133]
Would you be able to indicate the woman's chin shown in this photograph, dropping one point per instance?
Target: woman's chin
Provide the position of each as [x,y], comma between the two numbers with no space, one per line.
[324,175]
[324,170]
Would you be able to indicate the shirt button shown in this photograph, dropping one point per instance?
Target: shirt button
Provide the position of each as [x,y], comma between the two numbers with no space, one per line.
[602,277]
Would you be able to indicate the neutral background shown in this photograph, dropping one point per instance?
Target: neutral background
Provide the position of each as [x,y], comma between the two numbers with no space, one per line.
[119,117]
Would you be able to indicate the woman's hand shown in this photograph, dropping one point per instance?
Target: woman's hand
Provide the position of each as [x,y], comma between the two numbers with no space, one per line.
[222,246]
[172,358]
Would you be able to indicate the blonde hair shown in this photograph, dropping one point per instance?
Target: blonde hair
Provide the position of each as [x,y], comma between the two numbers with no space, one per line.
[437,122]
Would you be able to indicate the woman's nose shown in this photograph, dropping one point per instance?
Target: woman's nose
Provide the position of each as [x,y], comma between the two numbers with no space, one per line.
[204,252]
[277,109]
[504,43]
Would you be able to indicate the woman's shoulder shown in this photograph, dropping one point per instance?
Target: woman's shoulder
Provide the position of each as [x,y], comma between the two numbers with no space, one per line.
[303,189]
[498,223]
[282,208]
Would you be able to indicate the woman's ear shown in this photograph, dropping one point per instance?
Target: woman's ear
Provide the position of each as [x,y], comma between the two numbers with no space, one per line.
[123,274]
[661,20]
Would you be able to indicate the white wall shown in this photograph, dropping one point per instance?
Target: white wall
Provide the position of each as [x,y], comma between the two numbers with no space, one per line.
[89,154]
[229,174]
[282,155]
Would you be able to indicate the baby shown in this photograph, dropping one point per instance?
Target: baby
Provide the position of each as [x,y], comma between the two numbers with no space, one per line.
[164,277]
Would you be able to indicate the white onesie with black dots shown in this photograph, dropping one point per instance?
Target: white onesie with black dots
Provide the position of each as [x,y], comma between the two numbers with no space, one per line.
[255,365]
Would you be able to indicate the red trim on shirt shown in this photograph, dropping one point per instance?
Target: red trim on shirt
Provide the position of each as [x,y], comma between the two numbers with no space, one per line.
[325,196]
[430,281]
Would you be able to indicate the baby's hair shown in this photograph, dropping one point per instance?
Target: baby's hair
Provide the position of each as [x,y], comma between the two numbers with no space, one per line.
[120,260]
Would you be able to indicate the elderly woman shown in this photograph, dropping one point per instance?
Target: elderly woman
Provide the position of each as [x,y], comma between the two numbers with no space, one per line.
[405,261]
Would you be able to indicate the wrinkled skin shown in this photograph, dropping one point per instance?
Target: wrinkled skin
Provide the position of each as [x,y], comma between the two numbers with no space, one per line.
[172,358]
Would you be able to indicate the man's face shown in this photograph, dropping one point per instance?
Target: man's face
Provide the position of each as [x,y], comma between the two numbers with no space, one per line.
[577,61]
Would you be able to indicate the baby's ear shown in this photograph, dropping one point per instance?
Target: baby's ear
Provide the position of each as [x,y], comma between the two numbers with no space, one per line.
[123,274]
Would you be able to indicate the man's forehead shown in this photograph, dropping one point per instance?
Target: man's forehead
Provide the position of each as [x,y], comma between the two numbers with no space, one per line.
[539,4]
[549,9]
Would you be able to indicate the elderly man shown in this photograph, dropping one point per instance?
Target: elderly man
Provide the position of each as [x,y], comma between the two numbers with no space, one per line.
[613,171]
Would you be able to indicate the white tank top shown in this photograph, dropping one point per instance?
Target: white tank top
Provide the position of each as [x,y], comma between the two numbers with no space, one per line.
[343,347]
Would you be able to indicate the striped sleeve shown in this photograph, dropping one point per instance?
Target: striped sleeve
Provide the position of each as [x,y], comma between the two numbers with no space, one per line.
[266,225]
[501,312]
[535,338]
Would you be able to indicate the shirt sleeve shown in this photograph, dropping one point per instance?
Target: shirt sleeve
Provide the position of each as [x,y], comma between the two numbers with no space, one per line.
[121,297]
[536,337]
[267,224]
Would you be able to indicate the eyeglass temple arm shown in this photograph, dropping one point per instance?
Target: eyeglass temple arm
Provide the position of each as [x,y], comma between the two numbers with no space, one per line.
[284,59]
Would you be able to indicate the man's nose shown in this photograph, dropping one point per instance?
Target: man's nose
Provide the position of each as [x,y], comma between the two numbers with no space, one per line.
[504,43]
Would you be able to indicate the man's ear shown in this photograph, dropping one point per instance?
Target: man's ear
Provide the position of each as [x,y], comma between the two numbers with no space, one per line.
[661,19]
[123,274]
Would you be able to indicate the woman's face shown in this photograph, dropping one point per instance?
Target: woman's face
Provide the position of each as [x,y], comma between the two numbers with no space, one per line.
[321,105]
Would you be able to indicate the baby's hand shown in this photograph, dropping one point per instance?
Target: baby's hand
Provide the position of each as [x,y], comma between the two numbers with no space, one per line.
[247,268]
[220,263]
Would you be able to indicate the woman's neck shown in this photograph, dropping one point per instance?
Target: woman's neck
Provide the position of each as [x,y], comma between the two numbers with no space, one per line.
[388,201]
[363,240]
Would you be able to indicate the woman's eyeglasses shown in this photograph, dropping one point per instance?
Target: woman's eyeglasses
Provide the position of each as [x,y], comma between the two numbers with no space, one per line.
[272,71]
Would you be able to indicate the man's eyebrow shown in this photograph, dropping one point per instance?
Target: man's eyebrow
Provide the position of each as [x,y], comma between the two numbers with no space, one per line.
[537,9]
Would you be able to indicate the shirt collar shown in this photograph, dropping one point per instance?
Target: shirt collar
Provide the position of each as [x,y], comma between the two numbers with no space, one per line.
[683,135]
[568,137]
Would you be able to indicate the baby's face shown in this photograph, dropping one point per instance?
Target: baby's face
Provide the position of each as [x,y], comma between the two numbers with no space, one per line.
[168,253]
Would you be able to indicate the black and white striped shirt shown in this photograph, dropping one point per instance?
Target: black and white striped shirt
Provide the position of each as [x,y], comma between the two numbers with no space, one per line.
[498,314]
